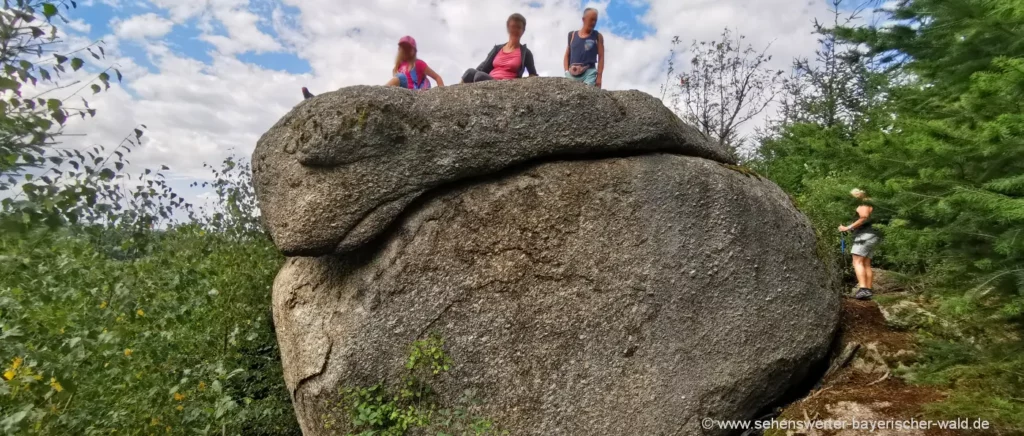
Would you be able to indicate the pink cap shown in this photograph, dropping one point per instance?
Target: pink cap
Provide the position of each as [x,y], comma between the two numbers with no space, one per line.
[407,40]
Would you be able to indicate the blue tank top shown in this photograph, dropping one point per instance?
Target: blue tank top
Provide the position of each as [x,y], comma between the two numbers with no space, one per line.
[583,50]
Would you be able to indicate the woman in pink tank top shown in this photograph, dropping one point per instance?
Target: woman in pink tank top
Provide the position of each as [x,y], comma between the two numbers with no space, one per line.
[505,61]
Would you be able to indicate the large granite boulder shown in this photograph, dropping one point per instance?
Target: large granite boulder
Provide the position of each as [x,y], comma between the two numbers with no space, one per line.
[626,281]
[336,170]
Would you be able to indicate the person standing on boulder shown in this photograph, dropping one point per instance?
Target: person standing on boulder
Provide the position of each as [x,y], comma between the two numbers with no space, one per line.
[584,54]
[508,60]
[865,238]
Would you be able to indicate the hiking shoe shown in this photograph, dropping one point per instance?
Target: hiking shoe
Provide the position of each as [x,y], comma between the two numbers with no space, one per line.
[863,294]
[306,94]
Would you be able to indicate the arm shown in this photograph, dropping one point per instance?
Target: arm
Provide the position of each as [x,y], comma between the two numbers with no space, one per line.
[488,64]
[530,67]
[565,62]
[600,58]
[863,213]
[437,78]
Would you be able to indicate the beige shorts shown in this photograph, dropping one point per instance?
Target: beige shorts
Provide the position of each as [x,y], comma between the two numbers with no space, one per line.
[864,244]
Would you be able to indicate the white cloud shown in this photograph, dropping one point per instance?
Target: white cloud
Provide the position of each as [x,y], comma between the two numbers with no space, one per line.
[79,26]
[196,112]
[142,26]
[235,16]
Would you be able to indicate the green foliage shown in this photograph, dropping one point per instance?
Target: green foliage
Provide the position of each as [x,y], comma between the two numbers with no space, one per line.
[154,330]
[383,410]
[940,147]
[115,315]
[40,179]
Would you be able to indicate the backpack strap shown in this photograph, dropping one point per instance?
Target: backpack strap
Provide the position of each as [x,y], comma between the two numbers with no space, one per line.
[570,37]
[421,73]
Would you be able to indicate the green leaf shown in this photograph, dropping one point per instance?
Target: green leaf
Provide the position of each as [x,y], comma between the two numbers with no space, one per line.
[11,84]
[49,10]
[60,59]
[59,116]
[77,63]
[53,104]
[95,88]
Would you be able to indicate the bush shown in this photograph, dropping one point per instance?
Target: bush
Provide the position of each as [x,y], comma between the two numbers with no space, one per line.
[138,331]
[393,409]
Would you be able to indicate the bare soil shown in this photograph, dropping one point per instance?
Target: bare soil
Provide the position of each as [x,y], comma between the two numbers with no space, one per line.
[865,389]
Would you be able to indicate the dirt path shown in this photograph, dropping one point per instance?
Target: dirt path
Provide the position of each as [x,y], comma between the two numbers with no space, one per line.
[864,389]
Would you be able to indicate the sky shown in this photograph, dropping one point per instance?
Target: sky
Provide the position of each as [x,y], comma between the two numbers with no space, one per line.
[208,77]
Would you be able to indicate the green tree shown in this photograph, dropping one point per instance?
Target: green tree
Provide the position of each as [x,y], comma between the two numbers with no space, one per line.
[43,179]
[941,148]
[121,309]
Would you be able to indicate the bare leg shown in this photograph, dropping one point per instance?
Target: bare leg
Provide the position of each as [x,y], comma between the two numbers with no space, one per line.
[392,82]
[858,269]
[869,275]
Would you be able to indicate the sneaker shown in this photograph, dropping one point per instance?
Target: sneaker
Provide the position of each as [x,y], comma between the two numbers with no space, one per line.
[863,294]
[306,94]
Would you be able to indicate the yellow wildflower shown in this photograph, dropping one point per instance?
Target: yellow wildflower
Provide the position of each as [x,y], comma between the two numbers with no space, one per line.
[16,363]
[140,312]
[180,408]
[168,429]
[154,421]
[103,305]
[178,396]
[9,374]
[55,384]
[37,377]
[202,386]
[62,330]
[128,352]
[120,318]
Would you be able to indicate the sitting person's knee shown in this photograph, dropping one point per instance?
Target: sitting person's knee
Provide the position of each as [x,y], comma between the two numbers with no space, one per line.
[469,76]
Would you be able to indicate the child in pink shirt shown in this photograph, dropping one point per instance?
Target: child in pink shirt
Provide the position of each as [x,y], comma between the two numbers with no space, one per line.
[410,72]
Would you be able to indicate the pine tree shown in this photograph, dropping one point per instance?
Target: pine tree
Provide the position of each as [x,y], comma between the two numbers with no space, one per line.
[941,148]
